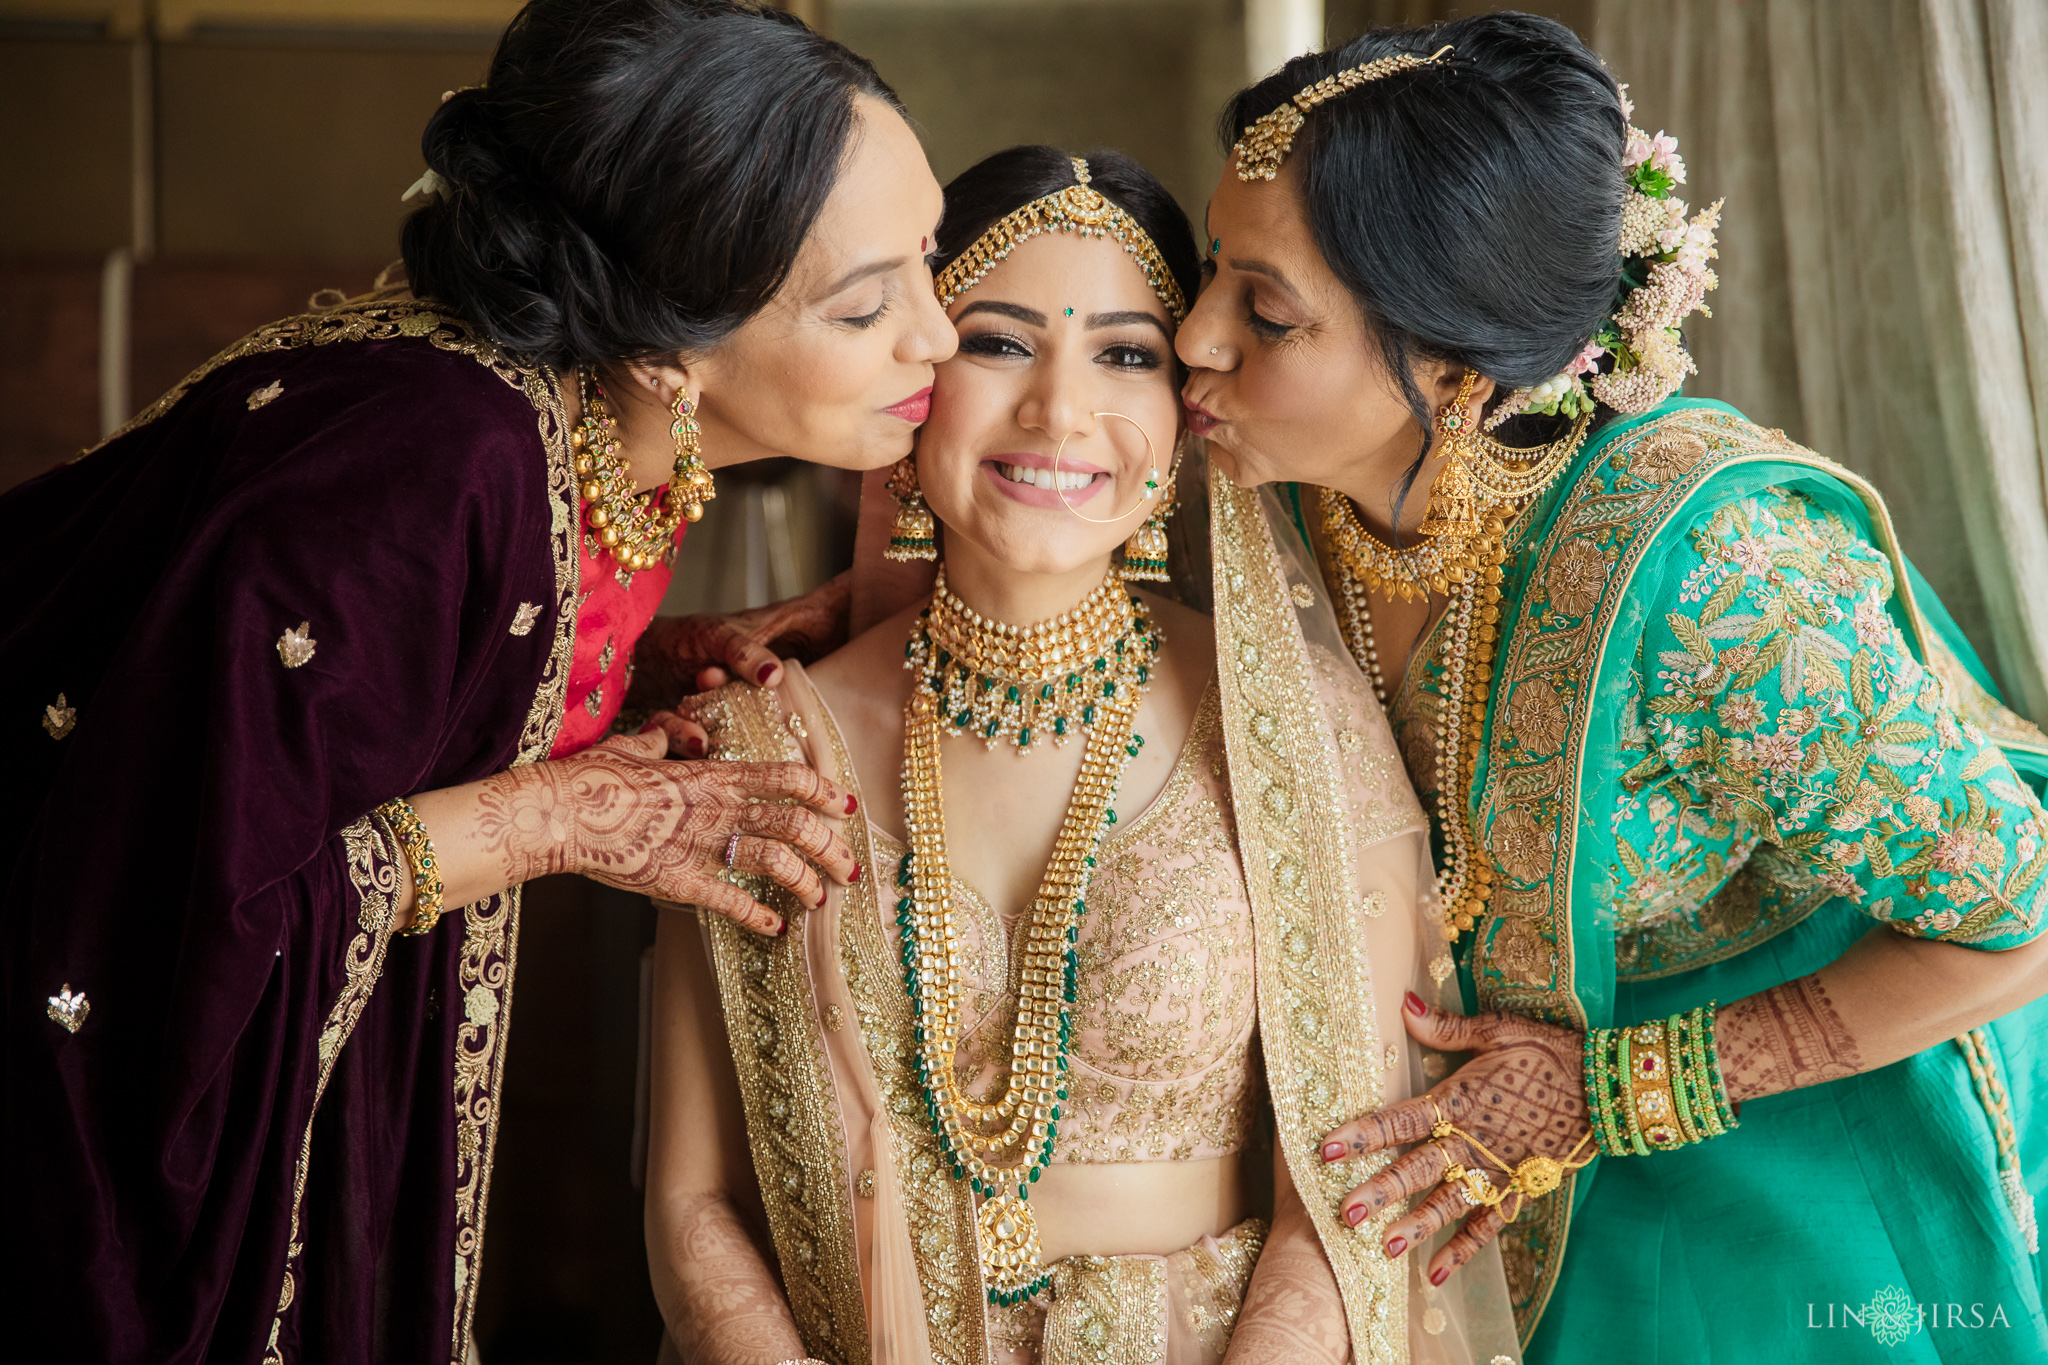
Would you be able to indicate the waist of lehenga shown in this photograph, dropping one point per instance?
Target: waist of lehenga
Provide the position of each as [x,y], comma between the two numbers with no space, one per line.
[1138,1208]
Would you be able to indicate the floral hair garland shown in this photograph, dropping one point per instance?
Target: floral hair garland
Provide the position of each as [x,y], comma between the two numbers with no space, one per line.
[1664,280]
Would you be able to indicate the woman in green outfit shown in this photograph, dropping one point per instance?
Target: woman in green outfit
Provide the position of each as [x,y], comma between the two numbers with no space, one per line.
[1688,722]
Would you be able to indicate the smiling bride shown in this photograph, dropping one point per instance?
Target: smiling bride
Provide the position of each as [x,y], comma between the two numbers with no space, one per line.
[1045,1082]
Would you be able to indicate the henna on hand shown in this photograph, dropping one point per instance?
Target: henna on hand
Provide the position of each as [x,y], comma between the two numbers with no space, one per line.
[1522,1094]
[1293,1310]
[679,655]
[1785,1038]
[620,814]
[732,1308]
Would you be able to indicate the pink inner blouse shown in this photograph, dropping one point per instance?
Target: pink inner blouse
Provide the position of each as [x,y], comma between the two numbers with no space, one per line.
[613,609]
[1162,1063]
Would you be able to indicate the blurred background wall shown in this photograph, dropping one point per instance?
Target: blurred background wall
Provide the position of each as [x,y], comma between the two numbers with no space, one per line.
[174,173]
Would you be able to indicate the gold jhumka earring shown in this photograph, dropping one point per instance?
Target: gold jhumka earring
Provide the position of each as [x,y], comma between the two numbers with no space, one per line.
[638,529]
[912,535]
[1484,488]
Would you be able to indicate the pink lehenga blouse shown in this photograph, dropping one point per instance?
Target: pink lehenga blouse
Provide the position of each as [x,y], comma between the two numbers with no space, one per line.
[1249,939]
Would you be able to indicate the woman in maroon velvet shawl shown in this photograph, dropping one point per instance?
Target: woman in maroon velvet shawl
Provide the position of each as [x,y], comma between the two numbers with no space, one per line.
[243,1115]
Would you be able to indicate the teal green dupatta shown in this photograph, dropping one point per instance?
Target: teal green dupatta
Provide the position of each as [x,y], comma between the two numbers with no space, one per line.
[1692,777]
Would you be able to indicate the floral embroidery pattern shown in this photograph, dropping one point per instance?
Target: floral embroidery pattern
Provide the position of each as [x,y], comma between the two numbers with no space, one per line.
[1782,707]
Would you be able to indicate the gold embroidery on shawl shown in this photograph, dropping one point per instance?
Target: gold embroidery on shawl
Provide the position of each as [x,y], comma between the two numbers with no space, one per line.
[1318,1031]
[799,1148]
[938,1209]
[490,927]
[1106,1310]
[374,865]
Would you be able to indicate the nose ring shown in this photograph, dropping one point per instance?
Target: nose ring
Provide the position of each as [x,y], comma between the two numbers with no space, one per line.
[1151,489]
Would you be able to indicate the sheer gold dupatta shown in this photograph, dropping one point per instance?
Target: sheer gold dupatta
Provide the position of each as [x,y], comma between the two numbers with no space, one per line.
[1336,858]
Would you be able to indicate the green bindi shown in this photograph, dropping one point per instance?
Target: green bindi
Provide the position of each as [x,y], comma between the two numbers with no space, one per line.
[1215,245]
[1070,312]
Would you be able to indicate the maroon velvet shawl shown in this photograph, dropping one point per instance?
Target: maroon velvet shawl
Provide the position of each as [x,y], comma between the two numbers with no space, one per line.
[270,1138]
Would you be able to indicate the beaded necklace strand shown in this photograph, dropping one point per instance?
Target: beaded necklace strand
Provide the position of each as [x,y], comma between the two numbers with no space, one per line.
[1022,1122]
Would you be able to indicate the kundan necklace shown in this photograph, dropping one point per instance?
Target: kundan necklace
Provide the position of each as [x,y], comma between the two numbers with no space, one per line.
[1482,492]
[1019,1126]
[1026,683]
[638,529]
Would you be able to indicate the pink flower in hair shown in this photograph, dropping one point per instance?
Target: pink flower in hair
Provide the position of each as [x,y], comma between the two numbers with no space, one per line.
[1638,151]
[1664,157]
[1584,362]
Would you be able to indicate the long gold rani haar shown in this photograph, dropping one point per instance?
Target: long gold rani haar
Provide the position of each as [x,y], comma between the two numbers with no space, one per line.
[638,529]
[1484,488]
[1020,1125]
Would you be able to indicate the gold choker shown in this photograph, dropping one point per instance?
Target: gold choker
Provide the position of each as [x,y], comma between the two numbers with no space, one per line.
[1026,683]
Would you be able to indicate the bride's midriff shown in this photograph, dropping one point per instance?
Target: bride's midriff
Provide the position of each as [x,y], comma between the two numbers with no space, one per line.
[1139,1208]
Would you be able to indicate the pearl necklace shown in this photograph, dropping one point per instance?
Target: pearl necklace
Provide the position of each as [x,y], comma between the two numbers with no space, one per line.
[1022,1122]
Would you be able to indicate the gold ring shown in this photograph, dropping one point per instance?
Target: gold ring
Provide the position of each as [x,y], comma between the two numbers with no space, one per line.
[1443,1126]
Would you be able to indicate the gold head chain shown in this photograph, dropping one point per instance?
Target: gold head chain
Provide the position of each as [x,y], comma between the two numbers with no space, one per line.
[1267,142]
[1080,207]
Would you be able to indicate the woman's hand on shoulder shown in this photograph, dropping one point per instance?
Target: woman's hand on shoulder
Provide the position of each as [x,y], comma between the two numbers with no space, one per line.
[623,814]
[681,654]
[1522,1094]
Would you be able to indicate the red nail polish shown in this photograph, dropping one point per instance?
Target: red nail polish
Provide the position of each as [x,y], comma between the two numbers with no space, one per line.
[1413,1003]
[1332,1151]
[1439,1275]
[851,804]
[1396,1245]
[856,875]
[767,672]
[694,748]
[781,927]
[1355,1214]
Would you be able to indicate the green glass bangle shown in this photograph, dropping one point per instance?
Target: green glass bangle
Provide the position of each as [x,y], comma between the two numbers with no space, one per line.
[1722,1109]
[1599,1046]
[1681,1080]
[1623,1064]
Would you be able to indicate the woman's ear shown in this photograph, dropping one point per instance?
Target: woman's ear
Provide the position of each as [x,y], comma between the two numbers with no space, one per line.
[659,381]
[1439,381]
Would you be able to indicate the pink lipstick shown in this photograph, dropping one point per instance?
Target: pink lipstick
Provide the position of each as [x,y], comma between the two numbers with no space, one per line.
[915,408]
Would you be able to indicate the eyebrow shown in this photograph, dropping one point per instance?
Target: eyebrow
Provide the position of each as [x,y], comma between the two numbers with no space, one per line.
[1270,271]
[1124,319]
[859,273]
[1031,317]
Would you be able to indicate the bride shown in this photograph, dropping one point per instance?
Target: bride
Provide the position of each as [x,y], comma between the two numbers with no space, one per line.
[1129,932]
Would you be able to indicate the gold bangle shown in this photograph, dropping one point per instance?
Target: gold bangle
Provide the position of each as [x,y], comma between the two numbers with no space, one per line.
[419,851]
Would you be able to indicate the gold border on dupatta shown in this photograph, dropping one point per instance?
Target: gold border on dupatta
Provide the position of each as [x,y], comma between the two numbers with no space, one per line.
[374,862]
[1577,583]
[490,926]
[938,1209]
[786,1088]
[1317,1027]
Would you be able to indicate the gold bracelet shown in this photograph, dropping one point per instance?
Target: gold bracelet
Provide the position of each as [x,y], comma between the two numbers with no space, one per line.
[419,851]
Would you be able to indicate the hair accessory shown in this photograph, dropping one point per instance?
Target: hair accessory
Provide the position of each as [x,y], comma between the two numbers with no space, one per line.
[1077,208]
[1484,487]
[639,529]
[419,851]
[913,535]
[1267,141]
[1664,280]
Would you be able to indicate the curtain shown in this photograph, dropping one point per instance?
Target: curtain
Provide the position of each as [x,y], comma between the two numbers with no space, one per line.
[1884,262]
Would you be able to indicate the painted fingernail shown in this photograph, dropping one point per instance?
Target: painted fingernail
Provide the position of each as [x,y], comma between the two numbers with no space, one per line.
[767,672]
[1439,1275]
[1396,1245]
[856,875]
[1413,1003]
[694,747]
[781,927]
[851,804]
[1332,1151]
[822,895]
[1355,1214]
[650,727]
